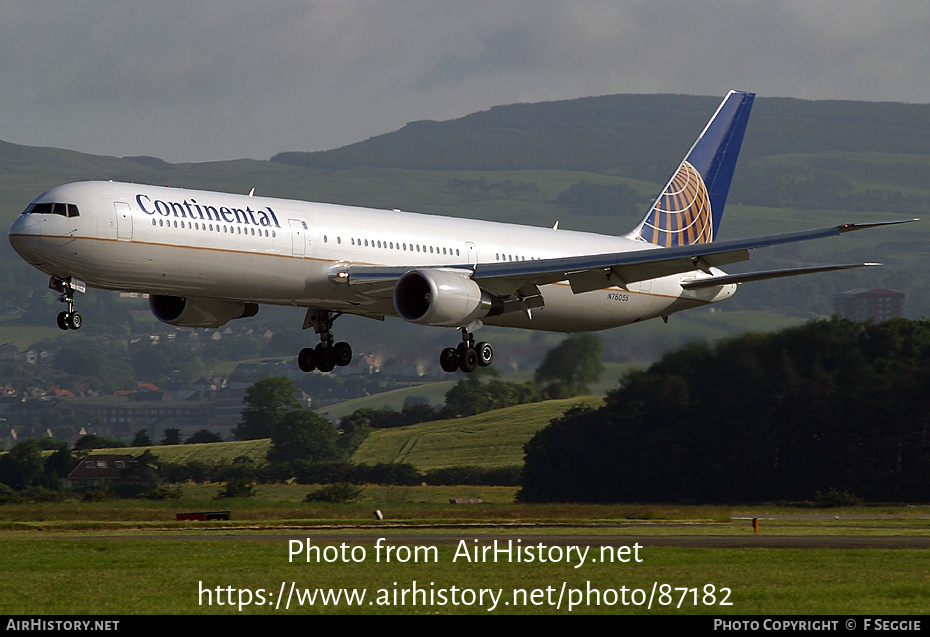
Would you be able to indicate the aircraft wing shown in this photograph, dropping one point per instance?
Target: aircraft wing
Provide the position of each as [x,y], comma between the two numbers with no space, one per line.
[597,271]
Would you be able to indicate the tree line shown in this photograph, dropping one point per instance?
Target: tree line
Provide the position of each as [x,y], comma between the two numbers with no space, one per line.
[833,406]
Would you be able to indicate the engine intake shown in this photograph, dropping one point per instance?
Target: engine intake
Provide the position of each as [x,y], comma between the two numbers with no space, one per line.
[442,298]
[196,312]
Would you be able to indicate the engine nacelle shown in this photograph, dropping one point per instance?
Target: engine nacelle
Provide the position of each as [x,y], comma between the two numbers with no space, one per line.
[195,312]
[442,298]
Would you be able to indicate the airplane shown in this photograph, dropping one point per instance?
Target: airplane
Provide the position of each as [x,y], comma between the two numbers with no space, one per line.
[205,258]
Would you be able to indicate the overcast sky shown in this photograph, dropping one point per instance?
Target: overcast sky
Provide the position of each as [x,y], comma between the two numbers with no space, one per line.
[225,79]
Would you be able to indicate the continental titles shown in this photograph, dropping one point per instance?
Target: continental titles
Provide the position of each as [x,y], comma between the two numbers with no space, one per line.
[191,209]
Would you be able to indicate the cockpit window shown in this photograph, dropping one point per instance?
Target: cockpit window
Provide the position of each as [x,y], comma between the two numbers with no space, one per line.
[63,209]
[38,209]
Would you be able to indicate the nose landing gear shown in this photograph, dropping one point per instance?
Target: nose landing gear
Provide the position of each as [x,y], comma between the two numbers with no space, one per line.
[69,319]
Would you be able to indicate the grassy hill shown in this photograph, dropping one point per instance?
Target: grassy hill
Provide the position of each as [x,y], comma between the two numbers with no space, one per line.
[492,439]
[210,453]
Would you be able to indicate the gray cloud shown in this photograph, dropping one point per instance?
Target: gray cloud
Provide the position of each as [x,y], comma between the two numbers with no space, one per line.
[225,79]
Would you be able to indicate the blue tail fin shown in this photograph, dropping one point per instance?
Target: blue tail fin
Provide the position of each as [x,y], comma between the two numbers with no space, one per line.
[691,205]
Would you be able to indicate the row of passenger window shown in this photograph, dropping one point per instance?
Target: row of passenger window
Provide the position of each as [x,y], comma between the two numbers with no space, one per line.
[412,247]
[196,225]
[510,257]
[63,209]
[368,243]
[396,245]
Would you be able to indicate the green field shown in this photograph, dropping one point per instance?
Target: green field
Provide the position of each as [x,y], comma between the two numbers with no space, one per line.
[123,576]
[207,452]
[131,557]
[26,335]
[433,392]
[165,572]
[492,439]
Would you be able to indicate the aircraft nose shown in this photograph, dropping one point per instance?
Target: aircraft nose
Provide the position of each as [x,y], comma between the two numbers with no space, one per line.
[25,234]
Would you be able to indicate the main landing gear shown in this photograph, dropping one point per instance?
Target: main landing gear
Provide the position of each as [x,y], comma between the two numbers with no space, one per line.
[468,356]
[69,319]
[327,355]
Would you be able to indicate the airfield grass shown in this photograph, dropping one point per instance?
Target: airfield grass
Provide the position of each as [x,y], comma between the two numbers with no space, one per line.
[70,575]
[281,505]
[132,557]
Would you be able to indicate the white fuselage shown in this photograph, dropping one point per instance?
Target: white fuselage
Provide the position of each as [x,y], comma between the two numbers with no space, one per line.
[203,244]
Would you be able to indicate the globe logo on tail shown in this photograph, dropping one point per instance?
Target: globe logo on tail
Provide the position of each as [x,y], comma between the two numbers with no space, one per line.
[681,215]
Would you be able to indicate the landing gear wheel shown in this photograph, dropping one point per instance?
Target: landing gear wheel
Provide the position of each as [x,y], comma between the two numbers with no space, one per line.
[449,360]
[342,352]
[69,319]
[468,359]
[326,355]
[325,358]
[306,359]
[485,353]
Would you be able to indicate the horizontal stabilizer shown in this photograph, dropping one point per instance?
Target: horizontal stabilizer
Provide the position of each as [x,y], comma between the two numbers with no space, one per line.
[714,281]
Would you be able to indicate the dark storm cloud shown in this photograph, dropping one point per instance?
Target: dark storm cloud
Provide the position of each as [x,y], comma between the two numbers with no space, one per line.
[224,79]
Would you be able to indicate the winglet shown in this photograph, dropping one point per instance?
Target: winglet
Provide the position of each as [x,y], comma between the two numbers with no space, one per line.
[691,205]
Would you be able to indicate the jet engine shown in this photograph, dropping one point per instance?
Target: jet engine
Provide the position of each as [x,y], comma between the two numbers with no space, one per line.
[195,312]
[442,298]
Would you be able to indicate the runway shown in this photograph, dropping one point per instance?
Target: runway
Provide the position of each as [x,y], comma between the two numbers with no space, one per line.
[854,531]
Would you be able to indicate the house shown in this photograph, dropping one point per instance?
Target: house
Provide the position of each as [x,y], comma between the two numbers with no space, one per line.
[92,470]
[878,304]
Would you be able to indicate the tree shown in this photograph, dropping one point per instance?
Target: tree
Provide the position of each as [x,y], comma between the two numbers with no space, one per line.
[22,465]
[172,436]
[338,492]
[571,366]
[203,435]
[354,429]
[58,464]
[472,396]
[93,441]
[141,439]
[303,435]
[237,489]
[103,368]
[267,402]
